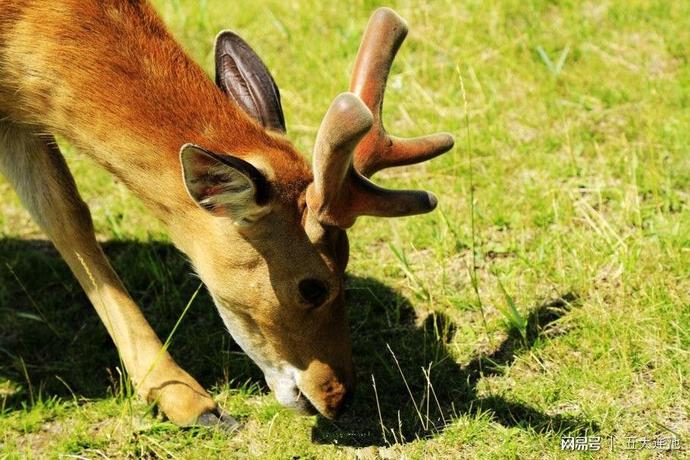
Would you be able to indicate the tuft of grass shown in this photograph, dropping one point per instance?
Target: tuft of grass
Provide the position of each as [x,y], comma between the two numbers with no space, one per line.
[512,317]
[554,67]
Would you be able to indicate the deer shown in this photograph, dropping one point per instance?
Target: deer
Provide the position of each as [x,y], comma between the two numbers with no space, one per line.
[264,231]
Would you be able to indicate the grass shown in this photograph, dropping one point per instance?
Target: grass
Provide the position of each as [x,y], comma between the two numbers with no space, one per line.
[549,295]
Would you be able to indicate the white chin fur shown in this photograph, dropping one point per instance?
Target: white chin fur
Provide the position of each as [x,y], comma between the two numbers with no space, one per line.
[284,387]
[282,378]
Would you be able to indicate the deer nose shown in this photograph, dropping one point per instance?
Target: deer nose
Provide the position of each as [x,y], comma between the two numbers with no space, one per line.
[345,403]
[335,394]
[329,391]
[338,396]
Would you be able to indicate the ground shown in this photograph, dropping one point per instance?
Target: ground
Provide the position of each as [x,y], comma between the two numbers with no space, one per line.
[548,297]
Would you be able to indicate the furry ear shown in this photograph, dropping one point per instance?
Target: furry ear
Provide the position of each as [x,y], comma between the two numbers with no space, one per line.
[242,75]
[224,185]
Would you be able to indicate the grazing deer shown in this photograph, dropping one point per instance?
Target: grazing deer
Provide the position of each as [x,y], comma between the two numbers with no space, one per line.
[211,161]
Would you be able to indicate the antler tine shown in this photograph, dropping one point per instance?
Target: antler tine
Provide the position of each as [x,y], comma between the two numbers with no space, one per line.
[346,121]
[339,193]
[378,150]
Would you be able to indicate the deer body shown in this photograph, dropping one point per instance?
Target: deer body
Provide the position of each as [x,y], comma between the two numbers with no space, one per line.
[108,77]
[232,191]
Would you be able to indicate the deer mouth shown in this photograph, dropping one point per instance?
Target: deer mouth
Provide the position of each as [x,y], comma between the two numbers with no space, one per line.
[303,405]
[312,391]
[288,394]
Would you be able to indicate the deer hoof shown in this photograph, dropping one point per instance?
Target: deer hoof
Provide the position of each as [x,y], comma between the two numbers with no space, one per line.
[219,419]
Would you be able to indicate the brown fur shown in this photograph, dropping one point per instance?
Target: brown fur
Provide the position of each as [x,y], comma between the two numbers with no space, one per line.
[108,77]
[79,68]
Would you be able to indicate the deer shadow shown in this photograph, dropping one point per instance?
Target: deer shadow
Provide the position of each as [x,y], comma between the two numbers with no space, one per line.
[410,386]
[52,344]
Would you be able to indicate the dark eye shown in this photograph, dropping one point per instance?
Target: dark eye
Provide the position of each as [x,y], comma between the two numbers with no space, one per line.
[313,291]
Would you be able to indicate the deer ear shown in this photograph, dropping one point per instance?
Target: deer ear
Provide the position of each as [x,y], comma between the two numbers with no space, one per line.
[242,75]
[224,185]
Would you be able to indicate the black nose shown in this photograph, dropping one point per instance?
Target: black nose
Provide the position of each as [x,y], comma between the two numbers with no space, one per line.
[313,291]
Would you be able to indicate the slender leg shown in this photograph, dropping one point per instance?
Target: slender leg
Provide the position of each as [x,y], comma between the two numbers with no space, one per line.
[35,167]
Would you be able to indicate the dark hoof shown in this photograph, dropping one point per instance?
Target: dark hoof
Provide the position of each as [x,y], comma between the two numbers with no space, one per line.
[219,419]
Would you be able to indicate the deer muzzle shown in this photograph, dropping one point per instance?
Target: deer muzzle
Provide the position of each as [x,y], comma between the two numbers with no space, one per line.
[327,389]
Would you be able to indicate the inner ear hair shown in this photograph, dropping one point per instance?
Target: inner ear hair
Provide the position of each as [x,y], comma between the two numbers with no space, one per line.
[224,185]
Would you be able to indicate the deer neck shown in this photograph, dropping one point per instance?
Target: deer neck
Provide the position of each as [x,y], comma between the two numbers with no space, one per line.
[117,86]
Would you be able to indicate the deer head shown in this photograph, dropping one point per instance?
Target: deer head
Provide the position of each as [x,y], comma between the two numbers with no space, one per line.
[276,251]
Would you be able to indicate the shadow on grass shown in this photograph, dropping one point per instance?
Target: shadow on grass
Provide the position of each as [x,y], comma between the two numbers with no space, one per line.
[52,344]
[382,318]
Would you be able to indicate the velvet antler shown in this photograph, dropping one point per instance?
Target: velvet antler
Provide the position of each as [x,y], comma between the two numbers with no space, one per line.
[378,150]
[352,144]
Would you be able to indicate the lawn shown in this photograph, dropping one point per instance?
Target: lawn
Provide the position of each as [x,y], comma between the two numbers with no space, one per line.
[547,298]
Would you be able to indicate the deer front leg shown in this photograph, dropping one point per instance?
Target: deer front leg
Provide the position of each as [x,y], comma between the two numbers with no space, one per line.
[35,167]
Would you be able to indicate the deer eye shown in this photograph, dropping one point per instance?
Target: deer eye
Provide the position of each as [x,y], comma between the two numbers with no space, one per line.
[313,291]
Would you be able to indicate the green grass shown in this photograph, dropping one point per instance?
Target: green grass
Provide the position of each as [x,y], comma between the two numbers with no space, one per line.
[548,295]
